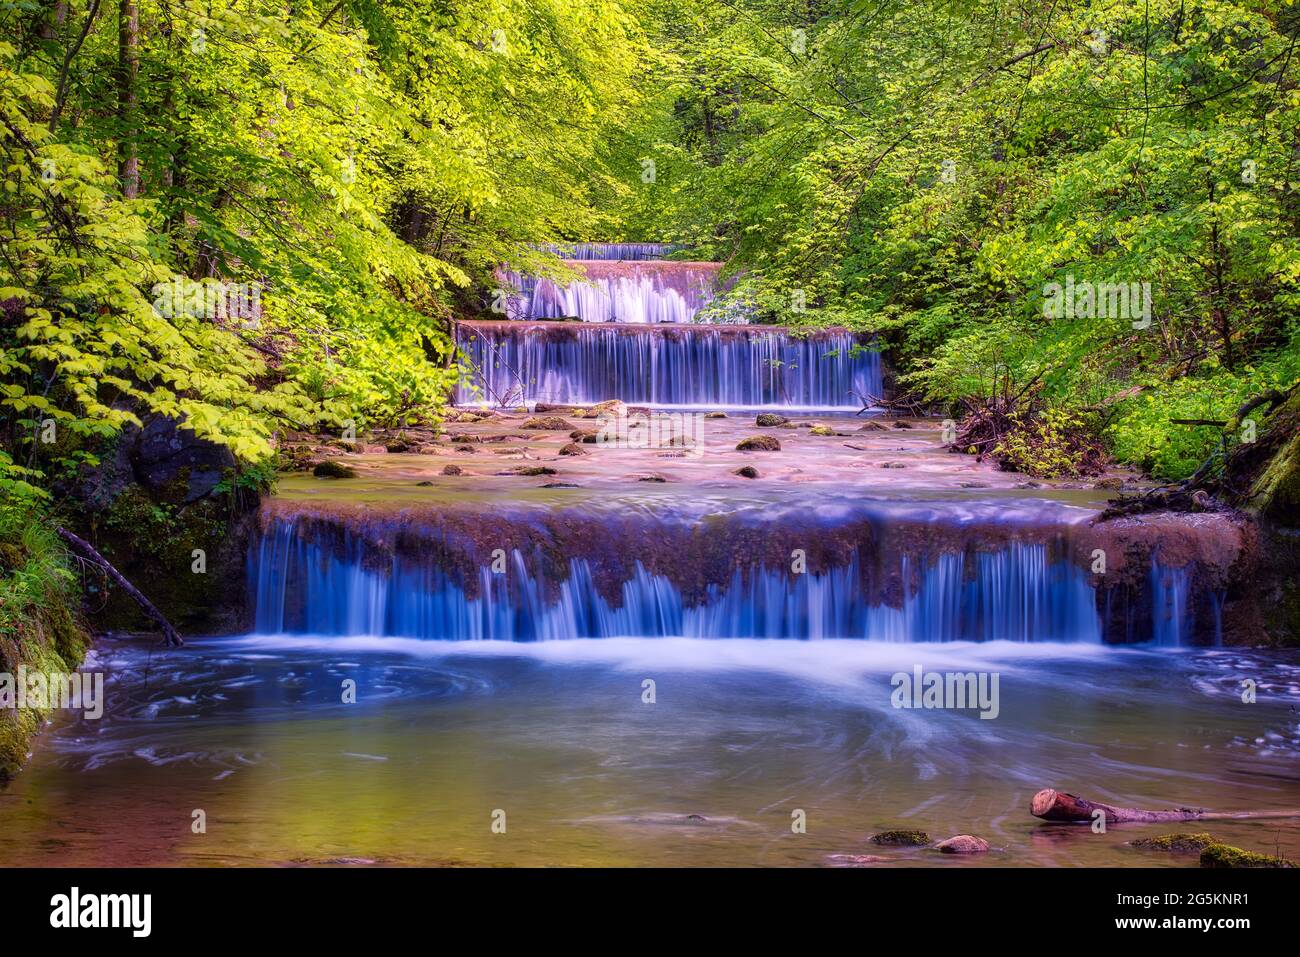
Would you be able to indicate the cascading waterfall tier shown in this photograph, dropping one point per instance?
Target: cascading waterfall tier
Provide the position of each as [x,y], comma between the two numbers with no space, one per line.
[636,291]
[608,252]
[701,366]
[437,578]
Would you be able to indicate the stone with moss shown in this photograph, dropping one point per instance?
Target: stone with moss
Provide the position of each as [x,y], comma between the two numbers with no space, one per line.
[1225,855]
[821,430]
[759,443]
[546,423]
[1181,843]
[769,420]
[901,837]
[333,470]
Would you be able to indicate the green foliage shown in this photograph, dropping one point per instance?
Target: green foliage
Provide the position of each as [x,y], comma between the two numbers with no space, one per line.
[928,171]
[34,572]
[1051,443]
[362,167]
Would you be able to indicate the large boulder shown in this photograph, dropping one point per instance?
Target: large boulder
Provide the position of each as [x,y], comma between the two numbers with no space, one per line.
[175,464]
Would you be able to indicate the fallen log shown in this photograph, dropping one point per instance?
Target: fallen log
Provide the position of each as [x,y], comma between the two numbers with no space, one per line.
[88,552]
[1062,808]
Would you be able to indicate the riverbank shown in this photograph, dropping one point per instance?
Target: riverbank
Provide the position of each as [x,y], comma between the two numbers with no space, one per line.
[41,630]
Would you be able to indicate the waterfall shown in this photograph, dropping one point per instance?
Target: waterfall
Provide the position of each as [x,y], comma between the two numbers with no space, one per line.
[717,367]
[1017,593]
[1171,588]
[608,251]
[639,291]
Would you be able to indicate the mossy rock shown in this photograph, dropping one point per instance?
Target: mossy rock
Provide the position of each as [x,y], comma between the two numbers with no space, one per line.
[759,443]
[1224,855]
[333,470]
[715,415]
[1181,843]
[821,430]
[548,423]
[901,838]
[535,470]
[746,471]
[452,470]
[770,420]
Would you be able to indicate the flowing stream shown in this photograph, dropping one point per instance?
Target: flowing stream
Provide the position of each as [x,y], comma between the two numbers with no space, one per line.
[674,677]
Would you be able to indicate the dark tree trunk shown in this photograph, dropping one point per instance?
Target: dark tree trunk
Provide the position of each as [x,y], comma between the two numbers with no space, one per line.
[128,65]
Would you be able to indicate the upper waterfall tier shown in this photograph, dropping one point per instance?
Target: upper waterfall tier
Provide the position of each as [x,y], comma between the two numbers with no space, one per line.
[641,291]
[685,366]
[608,251]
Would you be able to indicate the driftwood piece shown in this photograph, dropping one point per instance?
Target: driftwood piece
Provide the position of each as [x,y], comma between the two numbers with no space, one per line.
[88,552]
[1062,808]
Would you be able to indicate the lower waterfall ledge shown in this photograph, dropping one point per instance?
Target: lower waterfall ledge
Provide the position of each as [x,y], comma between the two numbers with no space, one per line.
[873,571]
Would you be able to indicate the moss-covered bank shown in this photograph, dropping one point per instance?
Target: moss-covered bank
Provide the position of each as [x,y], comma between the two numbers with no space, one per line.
[40,626]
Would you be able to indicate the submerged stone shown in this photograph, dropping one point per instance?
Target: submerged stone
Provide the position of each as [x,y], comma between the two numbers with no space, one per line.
[746,471]
[963,844]
[902,837]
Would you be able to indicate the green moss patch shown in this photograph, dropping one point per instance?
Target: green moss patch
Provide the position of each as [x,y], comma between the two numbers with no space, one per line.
[1182,843]
[1224,855]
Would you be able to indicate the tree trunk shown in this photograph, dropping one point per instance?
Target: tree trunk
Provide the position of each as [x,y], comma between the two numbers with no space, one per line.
[128,53]
[88,551]
[1062,808]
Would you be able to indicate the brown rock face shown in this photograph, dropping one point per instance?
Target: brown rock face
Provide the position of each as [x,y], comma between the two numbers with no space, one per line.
[759,443]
